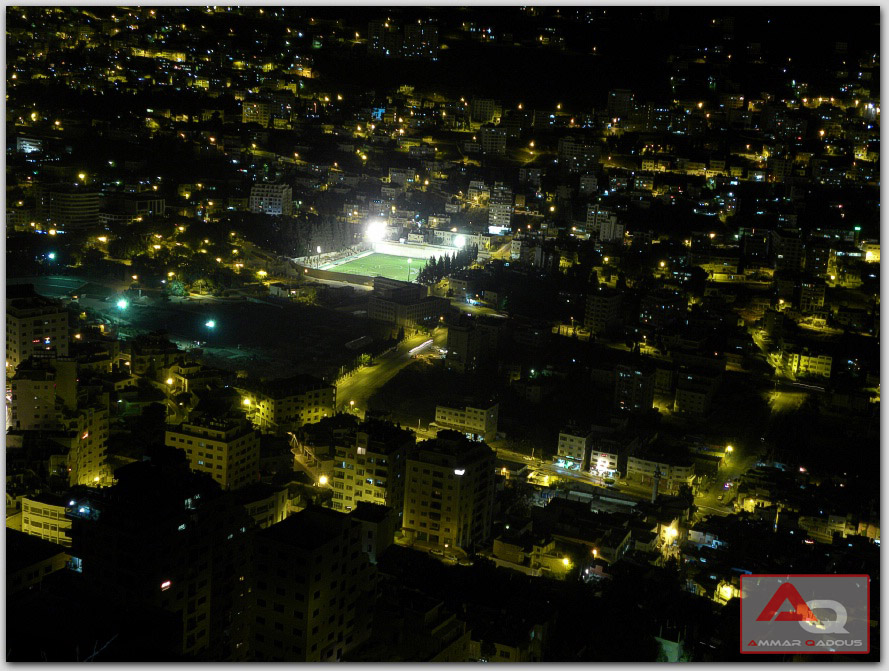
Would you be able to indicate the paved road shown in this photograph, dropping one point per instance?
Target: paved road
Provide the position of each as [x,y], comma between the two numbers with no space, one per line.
[364,382]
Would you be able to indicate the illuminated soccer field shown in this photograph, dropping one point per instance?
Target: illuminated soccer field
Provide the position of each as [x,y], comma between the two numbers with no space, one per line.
[385,265]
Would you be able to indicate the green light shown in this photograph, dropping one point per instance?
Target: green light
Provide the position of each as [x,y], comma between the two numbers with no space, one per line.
[122,304]
[210,324]
[51,256]
[858,228]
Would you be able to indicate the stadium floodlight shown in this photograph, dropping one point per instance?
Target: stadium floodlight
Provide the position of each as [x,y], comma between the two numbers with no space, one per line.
[460,241]
[376,230]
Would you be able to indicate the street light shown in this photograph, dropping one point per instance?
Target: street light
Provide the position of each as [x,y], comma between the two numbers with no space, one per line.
[210,324]
[409,269]
[351,406]
[122,304]
[322,480]
[376,230]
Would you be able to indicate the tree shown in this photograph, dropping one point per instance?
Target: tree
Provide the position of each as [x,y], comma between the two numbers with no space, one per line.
[175,288]
[400,336]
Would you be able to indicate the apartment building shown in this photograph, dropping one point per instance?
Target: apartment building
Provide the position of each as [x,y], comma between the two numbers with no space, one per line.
[285,404]
[227,449]
[574,447]
[404,304]
[576,155]
[804,362]
[694,392]
[166,538]
[45,516]
[313,588]
[67,207]
[35,326]
[633,387]
[370,467]
[602,310]
[480,422]
[86,432]
[449,492]
[276,199]
[500,207]
[672,473]
[33,404]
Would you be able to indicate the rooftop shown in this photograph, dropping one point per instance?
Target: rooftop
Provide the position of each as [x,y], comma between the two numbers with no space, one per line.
[309,529]
[23,550]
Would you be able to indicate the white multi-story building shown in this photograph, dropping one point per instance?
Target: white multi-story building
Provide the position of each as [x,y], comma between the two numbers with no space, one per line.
[603,462]
[371,467]
[577,156]
[609,231]
[283,405]
[602,309]
[633,388]
[67,207]
[449,493]
[574,447]
[804,362]
[481,422]
[88,431]
[643,470]
[500,208]
[225,449]
[596,215]
[589,185]
[34,401]
[43,515]
[482,110]
[35,326]
[271,199]
[493,140]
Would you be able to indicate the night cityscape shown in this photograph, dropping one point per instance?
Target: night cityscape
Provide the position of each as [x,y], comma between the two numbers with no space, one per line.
[440,334]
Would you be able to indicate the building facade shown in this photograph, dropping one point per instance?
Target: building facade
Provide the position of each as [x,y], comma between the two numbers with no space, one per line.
[226,449]
[574,447]
[285,404]
[312,590]
[274,199]
[449,492]
[478,421]
[633,387]
[35,326]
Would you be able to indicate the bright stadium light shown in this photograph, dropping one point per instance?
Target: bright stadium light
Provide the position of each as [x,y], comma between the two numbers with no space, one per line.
[460,241]
[376,230]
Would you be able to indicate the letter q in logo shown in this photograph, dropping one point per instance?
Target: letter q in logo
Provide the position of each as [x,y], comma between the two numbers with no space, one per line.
[836,626]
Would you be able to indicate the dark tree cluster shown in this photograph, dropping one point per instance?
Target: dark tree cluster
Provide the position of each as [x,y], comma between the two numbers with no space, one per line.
[439,267]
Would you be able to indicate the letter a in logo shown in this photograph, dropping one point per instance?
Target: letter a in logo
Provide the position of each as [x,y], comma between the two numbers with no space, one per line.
[787,592]
[752,643]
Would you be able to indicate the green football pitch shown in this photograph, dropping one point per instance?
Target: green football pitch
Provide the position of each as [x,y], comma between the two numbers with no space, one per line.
[385,265]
